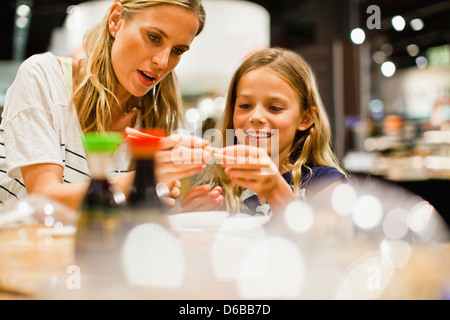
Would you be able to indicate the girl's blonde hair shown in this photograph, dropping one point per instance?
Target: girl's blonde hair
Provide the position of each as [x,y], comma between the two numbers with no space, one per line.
[310,148]
[97,82]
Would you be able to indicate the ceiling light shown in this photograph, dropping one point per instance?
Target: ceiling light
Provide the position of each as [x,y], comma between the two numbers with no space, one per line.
[421,62]
[387,49]
[398,23]
[379,57]
[416,24]
[388,69]
[23,10]
[22,22]
[413,50]
[358,36]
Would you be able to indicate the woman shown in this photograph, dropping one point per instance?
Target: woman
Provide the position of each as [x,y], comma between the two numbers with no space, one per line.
[276,115]
[127,79]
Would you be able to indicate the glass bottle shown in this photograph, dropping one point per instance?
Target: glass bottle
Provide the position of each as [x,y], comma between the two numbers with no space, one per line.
[152,254]
[143,202]
[99,232]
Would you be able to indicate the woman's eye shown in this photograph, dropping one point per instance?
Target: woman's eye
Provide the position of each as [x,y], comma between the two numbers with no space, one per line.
[177,51]
[153,38]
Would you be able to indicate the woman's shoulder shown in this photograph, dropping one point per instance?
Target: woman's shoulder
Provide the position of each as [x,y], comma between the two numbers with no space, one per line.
[38,63]
[38,84]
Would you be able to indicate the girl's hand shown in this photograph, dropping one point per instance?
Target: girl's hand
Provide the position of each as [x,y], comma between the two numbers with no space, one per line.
[180,156]
[202,198]
[251,167]
[173,193]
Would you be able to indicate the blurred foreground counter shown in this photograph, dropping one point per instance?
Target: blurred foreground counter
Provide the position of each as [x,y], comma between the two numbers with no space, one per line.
[391,246]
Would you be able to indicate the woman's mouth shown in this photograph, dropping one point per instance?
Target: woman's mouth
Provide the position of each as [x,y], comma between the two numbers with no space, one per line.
[146,78]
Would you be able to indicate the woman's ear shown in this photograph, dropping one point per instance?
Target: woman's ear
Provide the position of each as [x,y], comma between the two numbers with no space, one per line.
[115,18]
[306,121]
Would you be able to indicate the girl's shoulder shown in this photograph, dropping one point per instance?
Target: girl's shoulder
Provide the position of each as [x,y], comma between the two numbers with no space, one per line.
[325,172]
[320,177]
[316,173]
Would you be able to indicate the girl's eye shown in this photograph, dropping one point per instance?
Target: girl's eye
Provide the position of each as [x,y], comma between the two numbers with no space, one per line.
[275,108]
[245,106]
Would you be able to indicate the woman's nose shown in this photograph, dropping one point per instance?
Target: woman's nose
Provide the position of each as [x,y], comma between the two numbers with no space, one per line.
[161,59]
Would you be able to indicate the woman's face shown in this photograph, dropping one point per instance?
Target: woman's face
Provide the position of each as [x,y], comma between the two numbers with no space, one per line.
[267,108]
[149,45]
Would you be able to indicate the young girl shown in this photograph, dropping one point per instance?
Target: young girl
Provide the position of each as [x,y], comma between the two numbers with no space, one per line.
[272,103]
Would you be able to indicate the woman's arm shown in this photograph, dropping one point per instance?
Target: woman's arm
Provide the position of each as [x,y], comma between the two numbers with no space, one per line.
[47,180]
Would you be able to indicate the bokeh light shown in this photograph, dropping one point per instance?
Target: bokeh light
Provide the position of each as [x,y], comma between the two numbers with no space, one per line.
[413,49]
[398,22]
[367,212]
[273,268]
[388,69]
[417,24]
[299,216]
[395,224]
[152,257]
[343,199]
[421,62]
[358,36]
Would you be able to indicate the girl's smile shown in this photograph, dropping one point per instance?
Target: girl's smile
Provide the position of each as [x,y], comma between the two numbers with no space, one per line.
[258,137]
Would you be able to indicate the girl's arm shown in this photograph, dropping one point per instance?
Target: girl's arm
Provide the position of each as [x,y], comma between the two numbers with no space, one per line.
[280,195]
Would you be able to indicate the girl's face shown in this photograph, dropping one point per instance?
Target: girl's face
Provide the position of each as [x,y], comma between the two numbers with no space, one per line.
[265,102]
[149,45]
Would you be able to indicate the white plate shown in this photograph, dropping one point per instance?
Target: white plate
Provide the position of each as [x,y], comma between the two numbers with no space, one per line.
[242,222]
[215,221]
[200,221]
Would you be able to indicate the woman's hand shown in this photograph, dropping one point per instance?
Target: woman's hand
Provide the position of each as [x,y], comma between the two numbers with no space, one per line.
[126,120]
[202,198]
[251,167]
[180,156]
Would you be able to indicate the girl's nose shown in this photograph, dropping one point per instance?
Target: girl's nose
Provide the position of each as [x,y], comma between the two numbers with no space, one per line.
[161,59]
[258,115]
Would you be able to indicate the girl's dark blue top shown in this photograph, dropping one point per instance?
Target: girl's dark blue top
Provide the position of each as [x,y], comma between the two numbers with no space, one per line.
[316,180]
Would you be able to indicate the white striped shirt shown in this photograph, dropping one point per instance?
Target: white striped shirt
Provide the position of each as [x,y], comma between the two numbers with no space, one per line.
[39,126]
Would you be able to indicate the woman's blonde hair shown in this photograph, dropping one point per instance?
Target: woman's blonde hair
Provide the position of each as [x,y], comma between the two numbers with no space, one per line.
[97,82]
[310,148]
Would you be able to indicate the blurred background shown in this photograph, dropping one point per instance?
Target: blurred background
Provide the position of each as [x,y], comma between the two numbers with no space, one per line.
[382,66]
